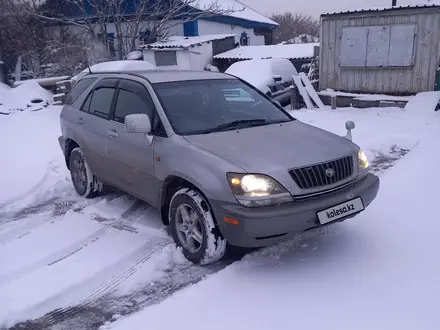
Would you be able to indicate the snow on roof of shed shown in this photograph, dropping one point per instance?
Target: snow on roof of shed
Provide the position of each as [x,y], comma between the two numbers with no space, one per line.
[239,10]
[291,51]
[428,4]
[184,42]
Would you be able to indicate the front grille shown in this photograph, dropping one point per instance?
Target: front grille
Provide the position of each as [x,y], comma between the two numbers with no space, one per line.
[324,174]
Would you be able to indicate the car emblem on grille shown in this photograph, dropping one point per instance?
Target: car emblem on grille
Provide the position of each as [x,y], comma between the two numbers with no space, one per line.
[330,172]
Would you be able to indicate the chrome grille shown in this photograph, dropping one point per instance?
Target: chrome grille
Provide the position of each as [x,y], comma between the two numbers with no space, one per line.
[324,174]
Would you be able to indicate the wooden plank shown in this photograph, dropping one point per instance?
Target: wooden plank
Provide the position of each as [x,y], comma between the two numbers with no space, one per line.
[311,91]
[302,90]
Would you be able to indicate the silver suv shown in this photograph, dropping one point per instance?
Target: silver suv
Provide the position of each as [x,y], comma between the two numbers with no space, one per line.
[222,162]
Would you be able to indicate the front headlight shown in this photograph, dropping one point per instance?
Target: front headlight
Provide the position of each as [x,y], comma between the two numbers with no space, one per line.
[253,190]
[363,160]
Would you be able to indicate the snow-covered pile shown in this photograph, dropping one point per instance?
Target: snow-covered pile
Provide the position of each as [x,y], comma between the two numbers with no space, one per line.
[301,39]
[135,55]
[28,151]
[259,73]
[423,103]
[27,96]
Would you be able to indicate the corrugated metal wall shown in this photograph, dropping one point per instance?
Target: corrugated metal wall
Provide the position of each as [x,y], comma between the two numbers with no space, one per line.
[420,77]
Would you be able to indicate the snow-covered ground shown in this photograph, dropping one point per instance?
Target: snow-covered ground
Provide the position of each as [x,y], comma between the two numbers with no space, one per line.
[87,262]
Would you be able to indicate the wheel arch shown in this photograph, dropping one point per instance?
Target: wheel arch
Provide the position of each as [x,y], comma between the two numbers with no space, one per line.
[171,185]
[69,145]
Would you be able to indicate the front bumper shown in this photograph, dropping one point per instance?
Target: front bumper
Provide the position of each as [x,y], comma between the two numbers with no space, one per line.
[274,224]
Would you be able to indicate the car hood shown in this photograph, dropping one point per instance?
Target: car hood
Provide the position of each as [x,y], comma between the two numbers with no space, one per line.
[274,149]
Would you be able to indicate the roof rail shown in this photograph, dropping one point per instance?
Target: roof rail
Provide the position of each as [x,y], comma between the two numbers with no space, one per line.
[131,73]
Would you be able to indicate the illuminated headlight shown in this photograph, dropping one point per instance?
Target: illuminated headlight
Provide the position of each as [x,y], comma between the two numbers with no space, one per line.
[363,160]
[253,190]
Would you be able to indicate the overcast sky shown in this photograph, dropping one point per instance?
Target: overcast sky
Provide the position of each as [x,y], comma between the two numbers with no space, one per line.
[317,7]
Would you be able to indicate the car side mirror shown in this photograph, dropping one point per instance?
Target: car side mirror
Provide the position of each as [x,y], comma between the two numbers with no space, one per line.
[137,123]
[349,125]
[277,78]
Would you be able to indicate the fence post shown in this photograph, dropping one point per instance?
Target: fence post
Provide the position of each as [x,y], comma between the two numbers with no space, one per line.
[333,102]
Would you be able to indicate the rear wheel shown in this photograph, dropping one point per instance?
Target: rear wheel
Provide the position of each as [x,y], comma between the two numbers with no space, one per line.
[193,227]
[84,181]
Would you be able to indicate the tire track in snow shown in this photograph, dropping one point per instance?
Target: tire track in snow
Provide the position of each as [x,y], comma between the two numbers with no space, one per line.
[55,257]
[36,216]
[52,167]
[101,284]
[100,310]
[101,292]
[384,161]
[51,210]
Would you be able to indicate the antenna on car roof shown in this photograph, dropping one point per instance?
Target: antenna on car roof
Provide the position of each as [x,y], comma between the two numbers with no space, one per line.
[88,67]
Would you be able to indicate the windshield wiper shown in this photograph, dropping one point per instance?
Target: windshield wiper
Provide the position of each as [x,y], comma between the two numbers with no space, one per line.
[242,122]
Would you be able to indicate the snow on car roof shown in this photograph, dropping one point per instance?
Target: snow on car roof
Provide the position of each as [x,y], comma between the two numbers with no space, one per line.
[239,10]
[116,66]
[427,4]
[291,51]
[183,42]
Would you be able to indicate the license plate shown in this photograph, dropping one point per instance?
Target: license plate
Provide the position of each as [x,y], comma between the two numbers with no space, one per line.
[340,211]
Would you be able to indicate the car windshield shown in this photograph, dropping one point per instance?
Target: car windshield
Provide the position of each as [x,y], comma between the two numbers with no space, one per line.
[214,105]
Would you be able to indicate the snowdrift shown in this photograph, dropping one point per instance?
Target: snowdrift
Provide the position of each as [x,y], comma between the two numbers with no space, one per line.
[28,96]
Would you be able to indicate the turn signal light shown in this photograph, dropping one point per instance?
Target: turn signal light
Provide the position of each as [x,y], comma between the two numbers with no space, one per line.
[231,221]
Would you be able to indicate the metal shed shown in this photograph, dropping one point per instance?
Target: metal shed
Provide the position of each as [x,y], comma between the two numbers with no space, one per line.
[392,50]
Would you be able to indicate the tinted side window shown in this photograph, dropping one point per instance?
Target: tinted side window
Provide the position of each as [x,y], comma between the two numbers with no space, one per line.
[79,88]
[86,105]
[129,103]
[101,102]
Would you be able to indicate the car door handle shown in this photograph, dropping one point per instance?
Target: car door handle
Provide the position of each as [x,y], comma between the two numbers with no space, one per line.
[112,134]
[80,121]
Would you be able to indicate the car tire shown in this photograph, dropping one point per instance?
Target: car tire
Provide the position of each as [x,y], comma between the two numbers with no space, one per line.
[84,181]
[193,227]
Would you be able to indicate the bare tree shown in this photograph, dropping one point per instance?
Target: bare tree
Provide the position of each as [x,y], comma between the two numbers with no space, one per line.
[28,43]
[294,25]
[128,18]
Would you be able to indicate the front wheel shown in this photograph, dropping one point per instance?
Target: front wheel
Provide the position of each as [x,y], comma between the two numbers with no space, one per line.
[193,227]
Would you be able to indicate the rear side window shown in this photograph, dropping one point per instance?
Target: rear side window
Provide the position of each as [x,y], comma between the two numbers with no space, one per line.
[80,87]
[101,102]
[86,106]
